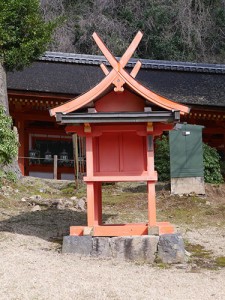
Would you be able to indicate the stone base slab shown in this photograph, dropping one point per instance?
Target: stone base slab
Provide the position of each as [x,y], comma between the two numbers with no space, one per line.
[167,248]
[187,185]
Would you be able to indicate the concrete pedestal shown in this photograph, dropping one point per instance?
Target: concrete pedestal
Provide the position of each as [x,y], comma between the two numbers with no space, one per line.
[168,248]
[187,185]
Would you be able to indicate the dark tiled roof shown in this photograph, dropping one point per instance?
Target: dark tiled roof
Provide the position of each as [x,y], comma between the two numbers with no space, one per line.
[146,63]
[54,77]
[64,73]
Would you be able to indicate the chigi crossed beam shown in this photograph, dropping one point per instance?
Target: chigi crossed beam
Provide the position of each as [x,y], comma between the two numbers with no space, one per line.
[118,76]
[118,66]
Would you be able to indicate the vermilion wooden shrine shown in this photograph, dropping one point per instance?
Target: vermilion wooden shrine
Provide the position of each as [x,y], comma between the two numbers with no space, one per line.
[119,118]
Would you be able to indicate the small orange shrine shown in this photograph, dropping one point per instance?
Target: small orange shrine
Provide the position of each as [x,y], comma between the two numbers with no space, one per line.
[119,118]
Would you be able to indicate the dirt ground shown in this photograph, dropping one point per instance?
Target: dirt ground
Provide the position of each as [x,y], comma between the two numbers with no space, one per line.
[32,266]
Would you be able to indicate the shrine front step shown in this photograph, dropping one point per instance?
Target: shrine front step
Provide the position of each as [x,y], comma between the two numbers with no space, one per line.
[167,248]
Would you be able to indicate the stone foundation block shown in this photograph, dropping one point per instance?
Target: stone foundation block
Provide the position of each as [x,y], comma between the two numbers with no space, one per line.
[171,248]
[136,248]
[77,244]
[101,247]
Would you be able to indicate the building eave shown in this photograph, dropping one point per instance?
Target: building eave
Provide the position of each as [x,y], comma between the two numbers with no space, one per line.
[123,117]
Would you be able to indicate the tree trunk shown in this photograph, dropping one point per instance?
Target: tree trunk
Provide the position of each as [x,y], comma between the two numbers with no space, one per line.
[3,89]
[12,167]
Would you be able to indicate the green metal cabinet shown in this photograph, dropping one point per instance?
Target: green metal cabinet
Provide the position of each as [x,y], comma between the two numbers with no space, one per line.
[186,152]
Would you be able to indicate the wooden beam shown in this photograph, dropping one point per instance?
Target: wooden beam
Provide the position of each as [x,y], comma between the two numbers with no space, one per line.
[136,69]
[33,116]
[25,94]
[130,50]
[123,229]
[108,55]
[104,69]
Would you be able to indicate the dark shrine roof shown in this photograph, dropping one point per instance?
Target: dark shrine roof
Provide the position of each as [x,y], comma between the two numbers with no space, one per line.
[146,63]
[65,73]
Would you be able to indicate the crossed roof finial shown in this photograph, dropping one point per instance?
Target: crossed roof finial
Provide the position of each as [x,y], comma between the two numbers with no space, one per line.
[118,77]
[119,65]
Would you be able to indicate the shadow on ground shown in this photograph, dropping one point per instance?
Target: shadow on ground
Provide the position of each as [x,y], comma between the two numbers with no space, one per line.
[47,224]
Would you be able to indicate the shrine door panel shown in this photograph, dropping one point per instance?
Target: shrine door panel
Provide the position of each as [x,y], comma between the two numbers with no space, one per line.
[134,152]
[108,152]
[121,152]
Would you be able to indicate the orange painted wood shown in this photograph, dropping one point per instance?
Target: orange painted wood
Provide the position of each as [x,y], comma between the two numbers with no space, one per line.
[165,228]
[108,154]
[134,229]
[120,102]
[130,50]
[151,96]
[126,56]
[121,230]
[108,55]
[121,178]
[89,156]
[118,83]
[134,153]
[76,230]
[136,69]
[104,69]
[139,128]
[118,73]
[121,152]
[94,204]
[91,217]
[84,99]
[151,204]
[96,154]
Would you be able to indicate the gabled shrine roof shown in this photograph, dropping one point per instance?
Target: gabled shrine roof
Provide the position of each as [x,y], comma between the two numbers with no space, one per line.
[119,77]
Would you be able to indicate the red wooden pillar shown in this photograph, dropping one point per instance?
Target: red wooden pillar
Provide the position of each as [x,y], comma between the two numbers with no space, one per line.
[152,174]
[98,193]
[89,155]
[21,152]
[151,204]
[94,194]
[94,204]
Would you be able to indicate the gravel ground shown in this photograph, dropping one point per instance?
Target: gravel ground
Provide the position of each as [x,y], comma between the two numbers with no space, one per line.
[212,238]
[32,268]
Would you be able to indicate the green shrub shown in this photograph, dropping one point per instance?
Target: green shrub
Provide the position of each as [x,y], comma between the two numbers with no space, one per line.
[8,139]
[211,162]
[222,167]
[162,158]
